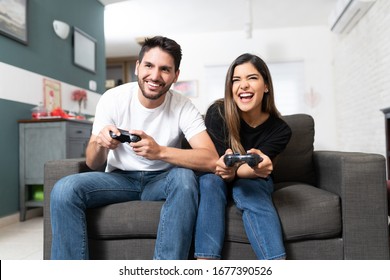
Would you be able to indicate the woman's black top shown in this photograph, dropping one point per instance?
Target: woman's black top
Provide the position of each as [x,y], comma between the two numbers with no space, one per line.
[270,137]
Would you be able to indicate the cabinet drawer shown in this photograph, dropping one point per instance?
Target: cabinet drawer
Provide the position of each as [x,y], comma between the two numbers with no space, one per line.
[79,131]
[76,148]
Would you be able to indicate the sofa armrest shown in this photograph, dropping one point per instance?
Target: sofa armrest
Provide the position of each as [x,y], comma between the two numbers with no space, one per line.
[57,169]
[53,171]
[360,181]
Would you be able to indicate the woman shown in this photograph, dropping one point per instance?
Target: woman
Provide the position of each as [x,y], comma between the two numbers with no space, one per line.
[245,121]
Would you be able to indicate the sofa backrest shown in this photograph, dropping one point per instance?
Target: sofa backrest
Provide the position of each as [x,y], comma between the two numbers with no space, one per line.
[295,163]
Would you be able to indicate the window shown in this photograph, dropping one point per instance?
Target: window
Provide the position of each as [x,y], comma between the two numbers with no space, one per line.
[288,82]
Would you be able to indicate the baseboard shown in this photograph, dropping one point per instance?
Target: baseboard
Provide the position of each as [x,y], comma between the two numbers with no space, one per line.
[9,220]
[35,212]
[14,218]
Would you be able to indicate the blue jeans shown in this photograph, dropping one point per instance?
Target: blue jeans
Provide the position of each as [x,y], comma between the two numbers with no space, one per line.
[261,221]
[72,195]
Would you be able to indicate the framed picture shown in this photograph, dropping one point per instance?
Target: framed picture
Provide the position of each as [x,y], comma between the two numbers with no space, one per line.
[187,88]
[51,94]
[84,50]
[13,19]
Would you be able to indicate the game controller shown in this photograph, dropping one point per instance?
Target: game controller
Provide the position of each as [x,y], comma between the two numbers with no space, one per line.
[251,159]
[125,136]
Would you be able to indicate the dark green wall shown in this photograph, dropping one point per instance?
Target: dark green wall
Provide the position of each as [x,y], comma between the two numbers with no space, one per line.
[51,56]
[10,112]
[47,55]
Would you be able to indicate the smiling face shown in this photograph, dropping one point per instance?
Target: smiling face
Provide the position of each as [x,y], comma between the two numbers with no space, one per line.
[248,88]
[156,73]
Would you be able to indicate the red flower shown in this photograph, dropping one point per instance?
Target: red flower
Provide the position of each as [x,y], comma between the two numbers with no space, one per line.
[79,95]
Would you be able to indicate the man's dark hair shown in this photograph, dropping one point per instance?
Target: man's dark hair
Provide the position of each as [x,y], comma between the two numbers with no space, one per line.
[164,43]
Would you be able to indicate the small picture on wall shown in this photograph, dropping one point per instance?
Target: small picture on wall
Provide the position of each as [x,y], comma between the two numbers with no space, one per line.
[187,88]
[13,19]
[51,94]
[84,50]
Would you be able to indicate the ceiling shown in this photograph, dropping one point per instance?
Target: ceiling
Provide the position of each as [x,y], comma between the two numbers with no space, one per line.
[127,20]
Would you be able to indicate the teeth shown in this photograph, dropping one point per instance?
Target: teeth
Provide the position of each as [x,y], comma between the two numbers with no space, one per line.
[246,95]
[153,84]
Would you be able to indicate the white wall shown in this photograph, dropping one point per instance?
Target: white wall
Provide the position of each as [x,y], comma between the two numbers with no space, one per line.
[30,90]
[362,81]
[312,45]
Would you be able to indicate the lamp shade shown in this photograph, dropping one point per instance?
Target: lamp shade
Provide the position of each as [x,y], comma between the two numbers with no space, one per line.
[61,29]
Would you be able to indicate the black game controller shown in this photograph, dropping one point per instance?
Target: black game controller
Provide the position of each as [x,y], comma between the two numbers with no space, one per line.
[251,159]
[125,136]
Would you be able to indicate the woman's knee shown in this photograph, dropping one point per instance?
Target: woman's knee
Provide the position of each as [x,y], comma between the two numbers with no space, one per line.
[252,187]
[247,193]
[212,184]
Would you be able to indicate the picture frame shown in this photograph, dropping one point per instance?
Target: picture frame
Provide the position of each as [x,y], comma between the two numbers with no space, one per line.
[187,88]
[84,50]
[51,94]
[13,20]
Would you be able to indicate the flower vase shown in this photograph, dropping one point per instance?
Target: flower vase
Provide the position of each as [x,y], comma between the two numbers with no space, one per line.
[79,113]
[80,96]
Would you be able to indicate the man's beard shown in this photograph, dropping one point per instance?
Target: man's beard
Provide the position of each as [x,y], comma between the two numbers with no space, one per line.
[151,96]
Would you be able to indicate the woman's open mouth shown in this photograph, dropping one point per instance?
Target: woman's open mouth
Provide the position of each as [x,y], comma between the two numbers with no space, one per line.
[246,96]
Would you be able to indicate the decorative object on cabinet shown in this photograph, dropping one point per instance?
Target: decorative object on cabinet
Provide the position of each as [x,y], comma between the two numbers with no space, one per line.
[51,94]
[41,141]
[80,96]
[39,111]
[14,22]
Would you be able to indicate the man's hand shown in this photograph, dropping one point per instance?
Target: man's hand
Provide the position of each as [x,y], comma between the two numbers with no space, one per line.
[105,140]
[147,147]
[225,172]
[99,145]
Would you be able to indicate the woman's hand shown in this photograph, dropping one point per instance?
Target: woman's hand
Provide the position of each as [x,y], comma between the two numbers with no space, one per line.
[265,167]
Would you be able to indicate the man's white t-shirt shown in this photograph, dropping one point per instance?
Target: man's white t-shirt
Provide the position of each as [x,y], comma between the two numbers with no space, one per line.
[176,118]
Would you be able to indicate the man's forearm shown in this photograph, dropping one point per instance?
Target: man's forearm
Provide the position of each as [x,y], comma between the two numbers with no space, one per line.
[96,155]
[199,159]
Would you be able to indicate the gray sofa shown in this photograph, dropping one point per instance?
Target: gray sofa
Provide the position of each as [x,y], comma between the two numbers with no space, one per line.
[332,205]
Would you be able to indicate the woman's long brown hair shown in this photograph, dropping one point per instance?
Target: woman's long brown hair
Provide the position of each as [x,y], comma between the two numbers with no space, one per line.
[232,112]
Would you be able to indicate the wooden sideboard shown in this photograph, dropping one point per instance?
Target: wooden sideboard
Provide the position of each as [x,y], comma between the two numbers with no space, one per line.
[43,140]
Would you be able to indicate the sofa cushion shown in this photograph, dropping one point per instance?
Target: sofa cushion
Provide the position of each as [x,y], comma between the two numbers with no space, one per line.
[306,212]
[123,220]
[295,163]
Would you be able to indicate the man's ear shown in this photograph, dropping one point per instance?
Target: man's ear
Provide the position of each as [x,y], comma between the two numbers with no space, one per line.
[177,76]
[136,68]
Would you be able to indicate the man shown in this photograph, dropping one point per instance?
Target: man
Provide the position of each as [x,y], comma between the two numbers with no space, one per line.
[154,168]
